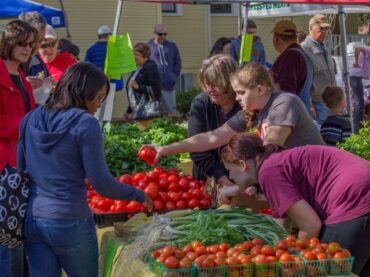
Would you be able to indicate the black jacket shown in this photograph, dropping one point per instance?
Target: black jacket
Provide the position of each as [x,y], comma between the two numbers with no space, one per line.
[206,116]
[148,80]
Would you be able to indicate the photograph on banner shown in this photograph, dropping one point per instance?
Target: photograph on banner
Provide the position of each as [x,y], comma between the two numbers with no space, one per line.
[120,56]
[246,48]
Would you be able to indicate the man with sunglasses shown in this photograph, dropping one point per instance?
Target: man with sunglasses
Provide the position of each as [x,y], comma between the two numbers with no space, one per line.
[324,67]
[35,69]
[167,57]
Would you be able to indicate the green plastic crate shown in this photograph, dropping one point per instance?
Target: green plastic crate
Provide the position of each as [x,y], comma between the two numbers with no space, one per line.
[292,269]
[242,270]
[267,270]
[220,271]
[316,268]
[341,266]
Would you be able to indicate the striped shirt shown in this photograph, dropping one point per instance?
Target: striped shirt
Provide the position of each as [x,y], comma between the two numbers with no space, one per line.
[335,128]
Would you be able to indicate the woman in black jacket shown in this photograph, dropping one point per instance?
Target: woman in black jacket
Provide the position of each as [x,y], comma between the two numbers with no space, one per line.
[143,86]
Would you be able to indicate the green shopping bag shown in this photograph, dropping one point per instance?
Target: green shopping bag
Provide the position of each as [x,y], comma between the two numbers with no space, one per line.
[120,56]
[246,48]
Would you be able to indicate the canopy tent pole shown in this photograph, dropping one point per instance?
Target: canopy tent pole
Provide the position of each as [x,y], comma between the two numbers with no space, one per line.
[118,17]
[343,50]
[69,37]
[245,8]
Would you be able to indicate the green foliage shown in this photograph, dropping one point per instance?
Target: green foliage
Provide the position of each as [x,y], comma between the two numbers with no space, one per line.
[121,143]
[183,100]
[358,144]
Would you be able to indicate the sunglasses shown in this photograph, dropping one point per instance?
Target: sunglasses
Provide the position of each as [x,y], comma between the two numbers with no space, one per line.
[25,44]
[48,45]
[161,34]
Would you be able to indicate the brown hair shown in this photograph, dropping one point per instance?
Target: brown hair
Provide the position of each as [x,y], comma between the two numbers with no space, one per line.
[217,70]
[35,19]
[288,38]
[332,96]
[15,31]
[246,146]
[143,49]
[250,76]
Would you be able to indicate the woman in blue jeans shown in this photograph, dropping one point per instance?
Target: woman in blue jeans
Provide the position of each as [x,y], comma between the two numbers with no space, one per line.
[63,146]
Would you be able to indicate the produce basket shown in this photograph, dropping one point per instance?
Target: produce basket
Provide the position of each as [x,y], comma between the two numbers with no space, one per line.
[242,270]
[317,268]
[220,271]
[292,269]
[341,266]
[160,270]
[267,270]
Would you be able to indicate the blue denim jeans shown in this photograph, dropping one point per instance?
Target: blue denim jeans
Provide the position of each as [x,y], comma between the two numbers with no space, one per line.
[322,111]
[53,244]
[12,261]
[358,102]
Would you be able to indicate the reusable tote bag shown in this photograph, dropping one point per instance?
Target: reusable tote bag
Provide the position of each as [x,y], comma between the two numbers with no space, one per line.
[120,56]
[14,189]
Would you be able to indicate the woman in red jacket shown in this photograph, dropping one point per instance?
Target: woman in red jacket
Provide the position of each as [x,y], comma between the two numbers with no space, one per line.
[16,99]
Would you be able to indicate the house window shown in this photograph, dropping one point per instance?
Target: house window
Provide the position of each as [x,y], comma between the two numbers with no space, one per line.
[169,8]
[221,9]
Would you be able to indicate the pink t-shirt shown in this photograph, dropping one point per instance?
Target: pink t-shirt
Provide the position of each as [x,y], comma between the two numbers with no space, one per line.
[334,182]
[59,65]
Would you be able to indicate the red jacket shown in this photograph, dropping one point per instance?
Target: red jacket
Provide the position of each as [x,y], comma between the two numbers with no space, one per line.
[12,110]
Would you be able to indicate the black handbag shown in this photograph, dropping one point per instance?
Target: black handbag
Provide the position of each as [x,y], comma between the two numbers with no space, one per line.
[147,107]
[14,191]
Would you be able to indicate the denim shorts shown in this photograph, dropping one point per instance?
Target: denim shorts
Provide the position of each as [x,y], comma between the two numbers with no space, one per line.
[53,244]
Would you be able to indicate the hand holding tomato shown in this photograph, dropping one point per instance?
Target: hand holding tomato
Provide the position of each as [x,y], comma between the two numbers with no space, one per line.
[148,154]
[161,151]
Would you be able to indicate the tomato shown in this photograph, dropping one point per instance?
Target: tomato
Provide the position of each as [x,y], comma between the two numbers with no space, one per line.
[246,259]
[141,184]
[138,177]
[191,256]
[174,196]
[173,178]
[193,203]
[286,258]
[121,207]
[224,246]
[257,241]
[321,256]
[185,263]
[221,254]
[197,193]
[232,260]
[156,253]
[219,261]
[255,250]
[200,250]
[179,254]
[163,196]
[151,176]
[339,255]
[173,186]
[112,208]
[195,244]
[302,243]
[185,196]
[103,205]
[271,259]
[282,245]
[163,184]
[181,204]
[158,205]
[159,170]
[184,184]
[309,255]
[173,171]
[148,154]
[91,194]
[194,184]
[207,262]
[133,206]
[171,262]
[313,242]
[125,179]
[205,203]
[170,205]
[333,247]
[213,249]
[152,190]
[267,250]
[188,248]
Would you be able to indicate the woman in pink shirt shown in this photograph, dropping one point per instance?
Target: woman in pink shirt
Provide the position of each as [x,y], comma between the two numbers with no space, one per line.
[56,63]
[324,190]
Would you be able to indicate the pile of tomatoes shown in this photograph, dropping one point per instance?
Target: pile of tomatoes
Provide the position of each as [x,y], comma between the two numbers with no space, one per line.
[263,256]
[169,190]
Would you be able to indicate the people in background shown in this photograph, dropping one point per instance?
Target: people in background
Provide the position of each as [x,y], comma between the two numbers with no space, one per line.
[59,228]
[145,81]
[336,128]
[97,52]
[18,41]
[292,71]
[258,50]
[209,110]
[221,46]
[34,68]
[324,67]
[323,190]
[301,36]
[360,71]
[56,62]
[68,46]
[167,57]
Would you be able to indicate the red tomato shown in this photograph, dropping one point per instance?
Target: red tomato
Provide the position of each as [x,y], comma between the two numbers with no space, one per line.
[260,259]
[173,186]
[133,206]
[282,245]
[163,183]
[194,184]
[205,203]
[148,154]
[197,193]
[186,196]
[152,176]
[158,205]
[193,203]
[181,204]
[173,178]
[125,179]
[138,177]
[152,190]
[159,170]
[163,196]
[141,184]
[121,207]
[173,171]
[184,184]
[174,196]
[103,205]
[170,205]
[90,194]
[171,262]
[267,250]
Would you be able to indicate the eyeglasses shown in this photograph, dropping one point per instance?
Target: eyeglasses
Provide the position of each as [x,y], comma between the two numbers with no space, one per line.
[48,45]
[25,44]
[161,34]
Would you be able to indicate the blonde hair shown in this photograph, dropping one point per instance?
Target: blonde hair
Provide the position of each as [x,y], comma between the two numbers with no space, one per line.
[217,71]
[250,76]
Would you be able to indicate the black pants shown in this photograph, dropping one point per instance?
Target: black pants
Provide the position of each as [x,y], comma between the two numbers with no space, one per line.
[353,235]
